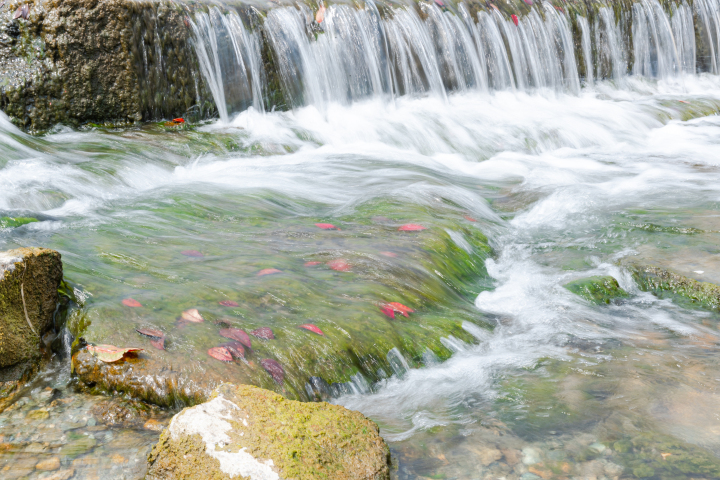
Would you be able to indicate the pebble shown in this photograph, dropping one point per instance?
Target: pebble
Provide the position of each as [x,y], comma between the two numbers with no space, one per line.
[598,447]
[61,475]
[530,456]
[52,463]
[530,476]
[154,425]
[40,414]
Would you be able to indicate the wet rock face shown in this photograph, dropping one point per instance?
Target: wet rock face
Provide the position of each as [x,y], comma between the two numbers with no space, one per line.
[29,281]
[687,291]
[248,432]
[78,61]
[597,290]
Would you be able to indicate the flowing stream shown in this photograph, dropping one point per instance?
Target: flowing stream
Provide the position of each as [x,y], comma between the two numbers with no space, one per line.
[532,155]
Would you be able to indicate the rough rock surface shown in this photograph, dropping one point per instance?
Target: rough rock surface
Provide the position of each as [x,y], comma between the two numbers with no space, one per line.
[115,61]
[250,433]
[661,280]
[29,281]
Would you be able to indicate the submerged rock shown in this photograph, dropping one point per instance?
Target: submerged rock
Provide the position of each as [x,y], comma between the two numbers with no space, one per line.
[248,432]
[597,290]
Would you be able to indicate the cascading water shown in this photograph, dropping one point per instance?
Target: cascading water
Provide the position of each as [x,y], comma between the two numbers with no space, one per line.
[358,53]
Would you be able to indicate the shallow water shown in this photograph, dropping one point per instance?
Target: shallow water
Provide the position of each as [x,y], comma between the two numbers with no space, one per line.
[524,379]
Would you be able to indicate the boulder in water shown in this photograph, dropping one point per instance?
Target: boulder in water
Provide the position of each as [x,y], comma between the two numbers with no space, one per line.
[597,289]
[248,432]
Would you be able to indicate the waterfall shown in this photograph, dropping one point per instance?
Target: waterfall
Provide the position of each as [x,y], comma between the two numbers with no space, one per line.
[355,53]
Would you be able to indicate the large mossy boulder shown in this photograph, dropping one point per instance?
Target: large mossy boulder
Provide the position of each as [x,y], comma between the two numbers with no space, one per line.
[29,282]
[247,432]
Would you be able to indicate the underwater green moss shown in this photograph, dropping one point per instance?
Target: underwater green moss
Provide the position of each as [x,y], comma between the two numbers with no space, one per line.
[597,290]
[13,222]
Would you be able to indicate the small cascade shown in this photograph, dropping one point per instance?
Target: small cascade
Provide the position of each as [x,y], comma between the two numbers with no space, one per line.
[349,54]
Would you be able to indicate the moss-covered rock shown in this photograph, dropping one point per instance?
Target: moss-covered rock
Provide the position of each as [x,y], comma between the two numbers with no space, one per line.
[248,432]
[13,222]
[662,281]
[597,290]
[29,282]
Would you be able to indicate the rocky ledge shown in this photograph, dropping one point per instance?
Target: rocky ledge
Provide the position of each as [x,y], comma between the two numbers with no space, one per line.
[247,432]
[29,282]
[77,61]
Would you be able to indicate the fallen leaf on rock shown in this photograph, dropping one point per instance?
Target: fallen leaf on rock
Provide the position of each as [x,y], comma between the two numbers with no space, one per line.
[411,227]
[268,271]
[469,218]
[326,226]
[110,353]
[312,328]
[192,315]
[514,19]
[274,369]
[399,307]
[23,12]
[387,310]
[220,353]
[192,253]
[529,2]
[263,332]
[158,343]
[229,303]
[236,334]
[131,302]
[186,21]
[339,265]
[312,264]
[149,332]
[180,120]
[665,455]
[235,348]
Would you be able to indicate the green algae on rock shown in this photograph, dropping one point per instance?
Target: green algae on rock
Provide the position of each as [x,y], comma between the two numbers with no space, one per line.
[248,432]
[13,222]
[662,281]
[597,290]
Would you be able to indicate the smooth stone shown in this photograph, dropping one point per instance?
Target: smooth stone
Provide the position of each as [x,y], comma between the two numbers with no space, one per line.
[531,456]
[598,447]
[49,464]
[247,431]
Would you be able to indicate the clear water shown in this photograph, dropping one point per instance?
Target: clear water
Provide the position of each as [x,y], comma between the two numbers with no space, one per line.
[564,186]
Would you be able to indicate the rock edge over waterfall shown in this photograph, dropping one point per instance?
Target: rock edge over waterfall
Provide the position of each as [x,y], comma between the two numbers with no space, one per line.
[248,432]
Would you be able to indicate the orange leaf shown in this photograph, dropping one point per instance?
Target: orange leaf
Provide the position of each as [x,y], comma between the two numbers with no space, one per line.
[192,315]
[110,353]
[131,302]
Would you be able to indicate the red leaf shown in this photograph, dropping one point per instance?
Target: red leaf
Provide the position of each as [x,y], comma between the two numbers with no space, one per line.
[469,218]
[268,271]
[326,226]
[236,334]
[399,307]
[158,343]
[110,353]
[192,253]
[263,332]
[312,328]
[131,302]
[312,264]
[180,120]
[411,227]
[514,19]
[320,15]
[274,369]
[340,265]
[529,2]
[229,303]
[220,353]
[192,315]
[387,310]
[148,332]
[235,348]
